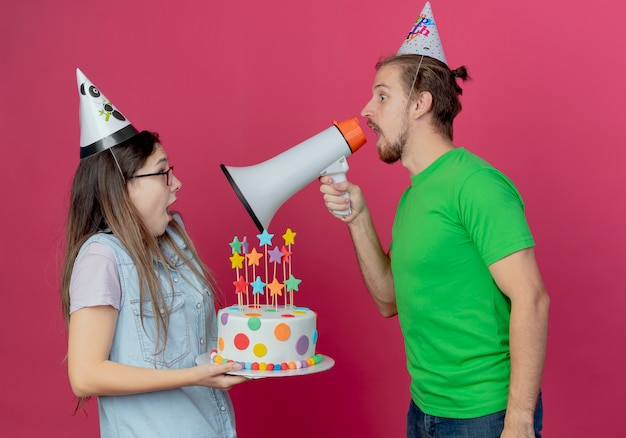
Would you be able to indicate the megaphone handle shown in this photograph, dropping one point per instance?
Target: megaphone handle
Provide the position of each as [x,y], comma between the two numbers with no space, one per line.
[341,177]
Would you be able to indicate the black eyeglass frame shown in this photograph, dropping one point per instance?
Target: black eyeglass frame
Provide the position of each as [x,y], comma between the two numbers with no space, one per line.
[168,175]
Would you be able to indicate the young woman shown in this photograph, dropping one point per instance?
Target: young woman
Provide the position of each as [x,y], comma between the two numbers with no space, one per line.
[139,302]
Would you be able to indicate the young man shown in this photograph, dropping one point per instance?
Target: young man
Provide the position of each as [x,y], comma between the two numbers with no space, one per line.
[461,272]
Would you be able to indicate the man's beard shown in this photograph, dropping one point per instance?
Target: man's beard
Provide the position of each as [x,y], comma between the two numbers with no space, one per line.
[393,151]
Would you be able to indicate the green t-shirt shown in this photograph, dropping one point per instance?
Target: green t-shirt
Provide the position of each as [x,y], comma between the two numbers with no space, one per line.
[459,216]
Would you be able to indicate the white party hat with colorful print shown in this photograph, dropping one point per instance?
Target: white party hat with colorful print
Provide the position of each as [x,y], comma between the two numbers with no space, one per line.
[102,125]
[423,38]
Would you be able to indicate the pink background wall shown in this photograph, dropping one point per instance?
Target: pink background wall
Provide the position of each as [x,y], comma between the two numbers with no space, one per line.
[236,83]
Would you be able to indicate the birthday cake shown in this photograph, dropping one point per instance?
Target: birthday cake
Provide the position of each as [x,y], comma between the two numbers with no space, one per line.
[267,332]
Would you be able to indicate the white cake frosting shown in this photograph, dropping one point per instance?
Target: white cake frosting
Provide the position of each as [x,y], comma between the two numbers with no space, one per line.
[264,335]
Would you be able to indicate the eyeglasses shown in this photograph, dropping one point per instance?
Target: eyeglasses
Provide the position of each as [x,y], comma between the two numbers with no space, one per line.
[168,175]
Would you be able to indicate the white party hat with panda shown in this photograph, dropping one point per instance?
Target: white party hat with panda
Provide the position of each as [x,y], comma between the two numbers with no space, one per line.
[102,125]
[423,38]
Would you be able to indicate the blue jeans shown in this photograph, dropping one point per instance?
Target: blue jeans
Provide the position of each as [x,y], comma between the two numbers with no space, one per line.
[421,425]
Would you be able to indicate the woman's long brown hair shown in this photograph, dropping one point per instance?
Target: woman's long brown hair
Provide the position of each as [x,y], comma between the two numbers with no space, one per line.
[100,202]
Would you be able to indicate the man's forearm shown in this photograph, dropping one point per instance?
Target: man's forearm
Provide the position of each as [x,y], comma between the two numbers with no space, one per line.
[528,340]
[374,263]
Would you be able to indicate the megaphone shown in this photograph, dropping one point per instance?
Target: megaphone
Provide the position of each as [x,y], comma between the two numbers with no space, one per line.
[264,187]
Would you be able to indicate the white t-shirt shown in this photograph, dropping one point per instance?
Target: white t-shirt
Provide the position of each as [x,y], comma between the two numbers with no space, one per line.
[95,279]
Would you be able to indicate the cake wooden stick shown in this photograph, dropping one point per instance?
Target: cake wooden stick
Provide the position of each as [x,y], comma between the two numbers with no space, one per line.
[285,261]
[236,262]
[257,288]
[253,260]
[244,249]
[241,286]
[265,239]
[289,238]
[275,286]
[286,257]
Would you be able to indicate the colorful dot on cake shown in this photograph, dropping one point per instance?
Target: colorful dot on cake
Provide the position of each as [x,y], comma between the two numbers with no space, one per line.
[259,350]
[282,332]
[224,318]
[254,323]
[241,341]
[220,343]
[262,366]
[302,345]
[315,336]
[287,315]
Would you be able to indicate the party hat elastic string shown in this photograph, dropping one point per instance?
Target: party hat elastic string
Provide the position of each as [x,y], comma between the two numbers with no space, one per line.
[413,84]
[118,165]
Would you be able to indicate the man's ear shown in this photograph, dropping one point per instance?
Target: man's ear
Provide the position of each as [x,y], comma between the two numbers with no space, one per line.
[422,104]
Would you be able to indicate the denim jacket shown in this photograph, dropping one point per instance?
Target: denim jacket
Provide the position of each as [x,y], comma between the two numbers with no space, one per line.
[193,411]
